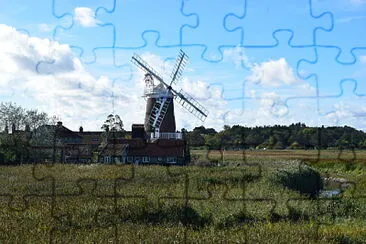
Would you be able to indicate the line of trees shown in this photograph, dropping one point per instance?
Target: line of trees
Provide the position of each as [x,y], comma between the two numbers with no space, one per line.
[14,147]
[295,136]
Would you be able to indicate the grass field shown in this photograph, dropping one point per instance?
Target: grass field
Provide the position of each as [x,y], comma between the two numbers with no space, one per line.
[229,196]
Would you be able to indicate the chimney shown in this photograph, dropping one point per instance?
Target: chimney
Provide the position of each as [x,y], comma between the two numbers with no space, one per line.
[81,129]
[59,123]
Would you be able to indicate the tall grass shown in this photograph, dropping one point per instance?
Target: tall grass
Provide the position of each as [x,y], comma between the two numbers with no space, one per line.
[250,201]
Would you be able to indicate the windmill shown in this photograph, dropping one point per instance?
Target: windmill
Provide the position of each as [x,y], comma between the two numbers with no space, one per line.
[159,117]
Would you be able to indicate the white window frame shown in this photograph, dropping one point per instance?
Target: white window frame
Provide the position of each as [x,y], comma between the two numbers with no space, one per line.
[129,159]
[145,159]
[171,160]
[107,159]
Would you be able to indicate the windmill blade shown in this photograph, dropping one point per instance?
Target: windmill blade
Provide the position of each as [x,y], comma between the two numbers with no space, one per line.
[139,62]
[190,104]
[180,64]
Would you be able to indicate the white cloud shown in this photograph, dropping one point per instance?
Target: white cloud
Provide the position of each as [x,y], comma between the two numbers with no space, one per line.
[273,73]
[85,17]
[357,2]
[62,85]
[237,56]
[47,74]
[46,27]
[363,59]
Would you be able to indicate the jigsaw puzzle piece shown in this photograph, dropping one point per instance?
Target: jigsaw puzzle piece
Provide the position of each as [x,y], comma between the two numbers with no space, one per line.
[279,16]
[138,203]
[270,83]
[324,212]
[22,224]
[86,33]
[81,10]
[77,214]
[344,107]
[210,31]
[328,82]
[112,82]
[148,18]
[347,34]
[23,15]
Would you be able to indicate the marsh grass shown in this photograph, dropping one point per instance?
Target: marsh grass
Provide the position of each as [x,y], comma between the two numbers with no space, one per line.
[238,201]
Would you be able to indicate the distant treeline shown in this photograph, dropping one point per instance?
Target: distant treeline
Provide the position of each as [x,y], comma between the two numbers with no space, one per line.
[295,136]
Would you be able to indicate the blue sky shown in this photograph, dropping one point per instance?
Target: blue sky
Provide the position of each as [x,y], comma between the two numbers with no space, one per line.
[253,62]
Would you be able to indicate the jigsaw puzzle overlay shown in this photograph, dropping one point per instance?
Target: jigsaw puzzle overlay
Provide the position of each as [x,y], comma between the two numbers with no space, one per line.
[254,62]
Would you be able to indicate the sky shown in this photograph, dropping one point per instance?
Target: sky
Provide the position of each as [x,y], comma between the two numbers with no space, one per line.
[253,62]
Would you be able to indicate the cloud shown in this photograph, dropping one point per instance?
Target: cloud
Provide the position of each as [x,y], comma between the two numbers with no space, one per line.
[363,59]
[47,76]
[237,56]
[85,17]
[357,2]
[272,73]
[46,27]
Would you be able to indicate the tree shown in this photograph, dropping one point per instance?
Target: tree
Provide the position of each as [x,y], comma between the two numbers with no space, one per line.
[113,123]
[11,114]
[15,147]
[14,115]
[113,128]
[196,139]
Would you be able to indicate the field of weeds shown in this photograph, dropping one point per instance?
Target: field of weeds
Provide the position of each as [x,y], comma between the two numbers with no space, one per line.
[229,196]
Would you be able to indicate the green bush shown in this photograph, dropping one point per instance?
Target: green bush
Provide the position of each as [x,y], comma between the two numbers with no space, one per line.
[303,179]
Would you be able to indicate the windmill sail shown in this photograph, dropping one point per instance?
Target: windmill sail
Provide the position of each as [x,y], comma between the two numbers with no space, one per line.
[160,109]
[190,104]
[180,64]
[139,62]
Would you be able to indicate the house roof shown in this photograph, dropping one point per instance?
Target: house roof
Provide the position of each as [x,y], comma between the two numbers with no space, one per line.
[90,136]
[62,131]
[114,150]
[159,148]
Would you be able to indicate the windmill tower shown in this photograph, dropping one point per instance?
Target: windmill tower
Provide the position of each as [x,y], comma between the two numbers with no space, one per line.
[159,117]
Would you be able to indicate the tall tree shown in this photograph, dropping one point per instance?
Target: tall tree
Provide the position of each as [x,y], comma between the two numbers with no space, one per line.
[113,123]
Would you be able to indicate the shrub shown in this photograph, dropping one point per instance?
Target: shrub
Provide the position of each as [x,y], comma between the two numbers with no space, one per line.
[303,179]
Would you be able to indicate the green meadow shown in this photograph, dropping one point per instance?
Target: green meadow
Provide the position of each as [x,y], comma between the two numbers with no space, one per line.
[266,196]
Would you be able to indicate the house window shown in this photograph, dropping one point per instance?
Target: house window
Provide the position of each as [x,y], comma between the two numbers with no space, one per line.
[145,159]
[137,159]
[171,160]
[107,159]
[129,159]
[160,159]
